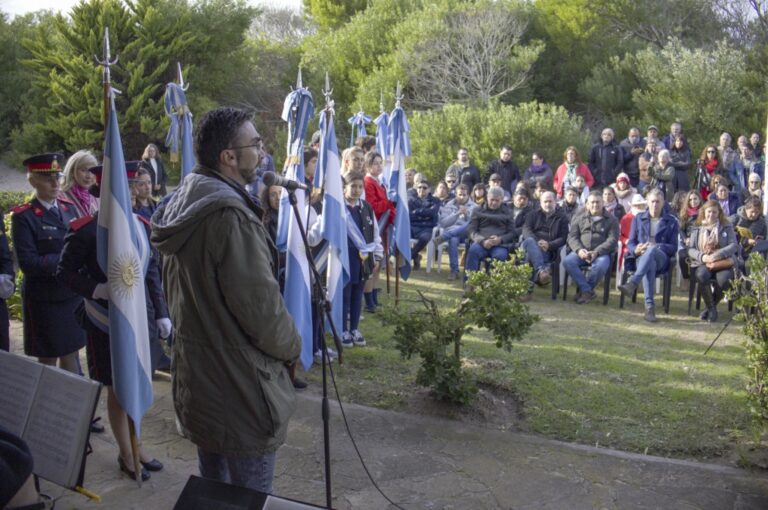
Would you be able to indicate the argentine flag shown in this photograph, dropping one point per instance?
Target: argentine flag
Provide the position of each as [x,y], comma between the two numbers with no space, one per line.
[297,111]
[399,149]
[333,225]
[123,255]
[382,146]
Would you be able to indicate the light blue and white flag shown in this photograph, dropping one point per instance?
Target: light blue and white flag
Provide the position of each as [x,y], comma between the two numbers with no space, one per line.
[399,149]
[297,111]
[123,254]
[180,132]
[382,146]
[358,122]
[333,224]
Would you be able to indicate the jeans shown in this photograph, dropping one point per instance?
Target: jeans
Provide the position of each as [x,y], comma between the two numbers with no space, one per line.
[455,236]
[422,235]
[654,261]
[535,256]
[598,269]
[477,253]
[251,472]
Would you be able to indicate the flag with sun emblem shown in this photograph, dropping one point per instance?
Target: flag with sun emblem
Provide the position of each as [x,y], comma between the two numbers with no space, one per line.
[123,255]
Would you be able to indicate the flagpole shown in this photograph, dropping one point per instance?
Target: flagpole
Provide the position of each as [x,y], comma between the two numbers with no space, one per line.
[765,174]
[106,63]
[385,157]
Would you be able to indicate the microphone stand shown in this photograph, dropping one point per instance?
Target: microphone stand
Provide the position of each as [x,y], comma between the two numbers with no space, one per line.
[320,292]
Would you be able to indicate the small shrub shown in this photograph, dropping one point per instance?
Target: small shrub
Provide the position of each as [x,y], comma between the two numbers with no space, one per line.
[492,301]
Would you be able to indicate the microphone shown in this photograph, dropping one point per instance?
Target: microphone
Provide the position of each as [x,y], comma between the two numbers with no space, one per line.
[272,179]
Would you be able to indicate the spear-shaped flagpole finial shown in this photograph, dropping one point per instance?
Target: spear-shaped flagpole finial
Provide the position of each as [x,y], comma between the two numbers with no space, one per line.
[298,80]
[106,77]
[327,91]
[180,77]
[398,95]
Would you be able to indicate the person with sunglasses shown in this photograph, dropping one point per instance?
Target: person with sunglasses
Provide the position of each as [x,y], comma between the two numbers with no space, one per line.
[423,210]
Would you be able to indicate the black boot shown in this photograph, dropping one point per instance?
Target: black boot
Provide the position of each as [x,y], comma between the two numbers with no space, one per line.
[712,317]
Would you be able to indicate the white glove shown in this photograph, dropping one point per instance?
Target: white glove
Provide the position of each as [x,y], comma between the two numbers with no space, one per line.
[7,286]
[164,326]
[101,292]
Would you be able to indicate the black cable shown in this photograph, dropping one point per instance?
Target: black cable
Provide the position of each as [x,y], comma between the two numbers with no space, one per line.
[352,439]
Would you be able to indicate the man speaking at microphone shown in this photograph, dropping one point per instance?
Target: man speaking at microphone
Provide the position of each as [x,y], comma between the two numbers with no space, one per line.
[233,336]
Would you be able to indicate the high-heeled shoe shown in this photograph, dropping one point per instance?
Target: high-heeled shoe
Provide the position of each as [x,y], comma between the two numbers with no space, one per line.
[129,472]
[152,465]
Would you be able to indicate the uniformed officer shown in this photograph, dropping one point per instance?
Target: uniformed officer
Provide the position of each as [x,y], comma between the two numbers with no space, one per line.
[79,270]
[7,286]
[38,227]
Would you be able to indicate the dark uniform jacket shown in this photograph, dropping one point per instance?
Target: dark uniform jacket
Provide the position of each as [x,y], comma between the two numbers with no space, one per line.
[79,270]
[508,171]
[423,212]
[38,237]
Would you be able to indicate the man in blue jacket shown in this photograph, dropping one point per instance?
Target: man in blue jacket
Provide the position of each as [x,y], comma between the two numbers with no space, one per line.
[652,243]
[423,211]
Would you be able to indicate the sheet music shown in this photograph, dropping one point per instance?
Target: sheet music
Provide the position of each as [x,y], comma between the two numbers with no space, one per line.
[19,377]
[58,424]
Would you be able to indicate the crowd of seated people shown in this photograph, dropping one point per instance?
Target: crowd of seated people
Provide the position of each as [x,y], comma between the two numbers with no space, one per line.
[644,200]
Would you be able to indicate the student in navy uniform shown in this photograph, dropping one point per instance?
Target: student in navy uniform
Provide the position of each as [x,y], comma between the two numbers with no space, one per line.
[79,270]
[365,251]
[38,227]
[7,286]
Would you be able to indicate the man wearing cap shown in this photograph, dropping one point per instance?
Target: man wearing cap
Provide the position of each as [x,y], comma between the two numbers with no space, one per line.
[496,180]
[592,239]
[506,169]
[234,337]
[652,138]
[652,242]
[606,160]
[38,227]
[79,270]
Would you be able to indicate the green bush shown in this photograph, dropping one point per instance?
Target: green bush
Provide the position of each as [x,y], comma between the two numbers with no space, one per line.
[492,301]
[9,199]
[437,135]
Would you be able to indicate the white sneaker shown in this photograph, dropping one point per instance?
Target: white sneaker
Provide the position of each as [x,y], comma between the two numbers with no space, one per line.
[346,339]
[358,338]
[330,354]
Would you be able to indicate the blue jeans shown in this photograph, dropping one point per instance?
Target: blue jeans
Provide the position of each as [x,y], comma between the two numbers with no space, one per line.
[477,254]
[251,472]
[455,236]
[649,264]
[535,256]
[599,267]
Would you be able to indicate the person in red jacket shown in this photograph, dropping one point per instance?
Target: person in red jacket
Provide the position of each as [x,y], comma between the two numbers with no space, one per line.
[376,196]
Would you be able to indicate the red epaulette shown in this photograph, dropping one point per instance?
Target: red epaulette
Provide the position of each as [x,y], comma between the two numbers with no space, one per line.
[79,223]
[21,208]
[144,220]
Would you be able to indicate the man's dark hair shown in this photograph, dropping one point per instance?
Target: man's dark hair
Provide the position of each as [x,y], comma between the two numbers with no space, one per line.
[309,153]
[754,202]
[506,148]
[366,142]
[596,193]
[462,187]
[216,132]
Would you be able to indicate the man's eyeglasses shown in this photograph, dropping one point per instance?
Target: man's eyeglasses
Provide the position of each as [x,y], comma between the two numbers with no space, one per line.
[259,145]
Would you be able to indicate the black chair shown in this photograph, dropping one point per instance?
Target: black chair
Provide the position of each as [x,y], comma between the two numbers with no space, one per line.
[606,280]
[666,281]
[693,289]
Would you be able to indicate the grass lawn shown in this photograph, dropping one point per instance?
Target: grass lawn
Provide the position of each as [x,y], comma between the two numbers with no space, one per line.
[590,374]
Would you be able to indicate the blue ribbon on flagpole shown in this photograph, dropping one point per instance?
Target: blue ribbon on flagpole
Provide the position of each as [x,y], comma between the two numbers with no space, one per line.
[358,121]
